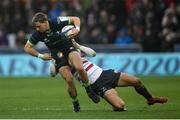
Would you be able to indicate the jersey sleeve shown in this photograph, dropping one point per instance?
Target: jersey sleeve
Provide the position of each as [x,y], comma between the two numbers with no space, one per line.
[34,39]
[63,21]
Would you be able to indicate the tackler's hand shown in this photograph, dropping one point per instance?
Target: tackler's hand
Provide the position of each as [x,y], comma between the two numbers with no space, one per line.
[75,44]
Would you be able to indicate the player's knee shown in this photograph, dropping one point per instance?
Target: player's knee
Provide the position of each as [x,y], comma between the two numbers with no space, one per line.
[79,68]
[81,71]
[137,82]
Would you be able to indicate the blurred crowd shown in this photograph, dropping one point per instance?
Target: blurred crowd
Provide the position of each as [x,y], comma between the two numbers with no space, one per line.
[154,24]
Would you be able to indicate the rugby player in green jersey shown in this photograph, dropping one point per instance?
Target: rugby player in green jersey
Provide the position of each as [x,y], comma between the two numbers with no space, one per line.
[61,49]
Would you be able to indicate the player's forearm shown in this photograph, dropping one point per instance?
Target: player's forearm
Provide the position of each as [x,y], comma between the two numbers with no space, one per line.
[31,51]
[76,21]
[88,51]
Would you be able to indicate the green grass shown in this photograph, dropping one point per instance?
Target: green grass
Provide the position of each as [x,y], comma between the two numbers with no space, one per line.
[39,97]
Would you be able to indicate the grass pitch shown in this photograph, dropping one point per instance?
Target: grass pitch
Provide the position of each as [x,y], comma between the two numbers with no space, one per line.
[44,97]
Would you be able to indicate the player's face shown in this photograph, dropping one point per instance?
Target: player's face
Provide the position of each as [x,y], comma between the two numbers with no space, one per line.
[41,27]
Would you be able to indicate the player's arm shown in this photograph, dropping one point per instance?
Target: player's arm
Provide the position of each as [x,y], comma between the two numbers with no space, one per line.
[69,20]
[88,51]
[28,48]
[76,22]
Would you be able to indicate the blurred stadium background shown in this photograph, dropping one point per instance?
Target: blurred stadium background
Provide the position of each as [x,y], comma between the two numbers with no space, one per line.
[140,37]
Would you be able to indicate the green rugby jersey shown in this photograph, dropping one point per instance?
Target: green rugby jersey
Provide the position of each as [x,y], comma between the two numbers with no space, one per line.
[52,37]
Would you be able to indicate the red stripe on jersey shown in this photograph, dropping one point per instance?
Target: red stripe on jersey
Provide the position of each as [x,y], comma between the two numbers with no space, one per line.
[85,61]
[89,67]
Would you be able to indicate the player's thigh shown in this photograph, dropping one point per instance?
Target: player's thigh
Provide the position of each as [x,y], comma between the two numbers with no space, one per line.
[111,96]
[65,72]
[127,80]
[75,59]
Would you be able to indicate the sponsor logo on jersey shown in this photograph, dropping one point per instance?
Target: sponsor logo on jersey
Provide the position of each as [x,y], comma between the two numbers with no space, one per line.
[104,89]
[46,40]
[60,54]
[71,48]
[61,19]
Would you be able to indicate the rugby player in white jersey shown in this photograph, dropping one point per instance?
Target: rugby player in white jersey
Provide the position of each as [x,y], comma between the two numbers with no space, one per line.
[104,82]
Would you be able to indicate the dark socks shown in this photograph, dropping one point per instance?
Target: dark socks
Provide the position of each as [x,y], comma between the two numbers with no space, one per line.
[144,92]
[74,98]
[85,83]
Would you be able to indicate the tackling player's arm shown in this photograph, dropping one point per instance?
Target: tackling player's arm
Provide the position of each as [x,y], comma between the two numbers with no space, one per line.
[88,51]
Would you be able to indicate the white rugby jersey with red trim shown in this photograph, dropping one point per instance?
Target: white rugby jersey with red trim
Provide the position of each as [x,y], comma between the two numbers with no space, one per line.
[93,71]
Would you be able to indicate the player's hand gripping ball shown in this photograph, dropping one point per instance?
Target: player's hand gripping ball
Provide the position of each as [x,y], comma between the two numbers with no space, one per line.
[67,28]
[70,31]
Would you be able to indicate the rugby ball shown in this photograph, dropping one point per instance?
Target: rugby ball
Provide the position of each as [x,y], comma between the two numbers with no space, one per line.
[67,28]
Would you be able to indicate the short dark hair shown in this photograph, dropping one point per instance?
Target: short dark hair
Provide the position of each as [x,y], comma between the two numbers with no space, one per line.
[39,17]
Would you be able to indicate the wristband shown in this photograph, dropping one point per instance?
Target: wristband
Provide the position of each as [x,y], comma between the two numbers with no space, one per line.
[78,28]
[40,55]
